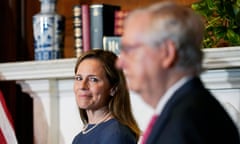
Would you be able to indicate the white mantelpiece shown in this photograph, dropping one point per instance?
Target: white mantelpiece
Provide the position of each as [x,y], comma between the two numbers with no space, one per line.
[50,84]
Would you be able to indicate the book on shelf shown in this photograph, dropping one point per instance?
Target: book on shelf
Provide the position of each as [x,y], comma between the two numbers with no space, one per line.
[86,27]
[112,43]
[77,30]
[101,23]
[119,17]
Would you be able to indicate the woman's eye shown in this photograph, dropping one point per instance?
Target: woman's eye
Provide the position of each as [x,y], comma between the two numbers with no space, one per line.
[78,78]
[93,79]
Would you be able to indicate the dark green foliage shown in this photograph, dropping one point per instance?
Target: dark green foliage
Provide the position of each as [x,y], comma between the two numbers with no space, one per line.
[222,22]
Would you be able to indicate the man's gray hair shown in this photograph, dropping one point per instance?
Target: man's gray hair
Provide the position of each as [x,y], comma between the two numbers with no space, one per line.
[170,21]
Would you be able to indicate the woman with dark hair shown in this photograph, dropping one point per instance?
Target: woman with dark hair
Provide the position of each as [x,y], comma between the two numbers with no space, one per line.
[103,100]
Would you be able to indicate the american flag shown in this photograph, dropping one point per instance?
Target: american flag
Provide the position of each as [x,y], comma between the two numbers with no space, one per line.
[7,133]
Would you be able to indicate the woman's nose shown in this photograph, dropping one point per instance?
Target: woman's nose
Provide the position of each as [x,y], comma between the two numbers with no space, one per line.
[83,84]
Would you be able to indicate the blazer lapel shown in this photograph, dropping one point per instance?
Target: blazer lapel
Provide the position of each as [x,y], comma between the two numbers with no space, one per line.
[170,105]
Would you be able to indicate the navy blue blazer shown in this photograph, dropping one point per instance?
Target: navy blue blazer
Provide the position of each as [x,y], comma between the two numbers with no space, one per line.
[193,116]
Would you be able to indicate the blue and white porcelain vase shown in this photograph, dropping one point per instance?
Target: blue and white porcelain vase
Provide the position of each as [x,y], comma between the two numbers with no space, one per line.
[48,28]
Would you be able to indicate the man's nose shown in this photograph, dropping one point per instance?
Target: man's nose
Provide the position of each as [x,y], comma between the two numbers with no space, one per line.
[120,63]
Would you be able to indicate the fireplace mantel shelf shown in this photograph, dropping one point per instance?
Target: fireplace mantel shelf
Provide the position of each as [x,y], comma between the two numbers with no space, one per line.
[215,58]
[56,116]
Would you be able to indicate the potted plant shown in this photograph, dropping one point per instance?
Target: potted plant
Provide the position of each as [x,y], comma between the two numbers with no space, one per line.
[222,22]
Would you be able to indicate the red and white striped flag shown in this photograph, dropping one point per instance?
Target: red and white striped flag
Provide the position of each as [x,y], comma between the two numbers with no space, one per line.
[7,133]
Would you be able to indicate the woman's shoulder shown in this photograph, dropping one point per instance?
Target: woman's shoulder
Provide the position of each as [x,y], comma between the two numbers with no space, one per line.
[115,126]
[118,132]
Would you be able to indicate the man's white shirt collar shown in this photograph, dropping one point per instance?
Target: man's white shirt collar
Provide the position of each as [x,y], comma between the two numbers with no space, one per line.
[169,93]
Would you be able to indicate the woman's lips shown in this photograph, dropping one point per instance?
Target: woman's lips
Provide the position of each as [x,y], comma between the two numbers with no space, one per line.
[84,95]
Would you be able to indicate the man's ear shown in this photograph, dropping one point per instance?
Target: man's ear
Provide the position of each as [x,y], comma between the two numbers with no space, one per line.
[170,54]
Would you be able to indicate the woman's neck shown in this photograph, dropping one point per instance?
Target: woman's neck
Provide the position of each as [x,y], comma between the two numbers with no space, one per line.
[97,116]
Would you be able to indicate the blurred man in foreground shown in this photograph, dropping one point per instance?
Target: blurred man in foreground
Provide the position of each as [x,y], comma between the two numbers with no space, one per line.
[162,60]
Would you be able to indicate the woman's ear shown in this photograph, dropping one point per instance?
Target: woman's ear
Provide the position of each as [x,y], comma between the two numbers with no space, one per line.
[113,91]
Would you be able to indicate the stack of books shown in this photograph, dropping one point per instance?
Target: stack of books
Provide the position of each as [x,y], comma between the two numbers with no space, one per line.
[99,27]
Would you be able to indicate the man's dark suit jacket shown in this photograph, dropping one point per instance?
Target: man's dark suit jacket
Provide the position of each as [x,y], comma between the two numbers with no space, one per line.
[193,116]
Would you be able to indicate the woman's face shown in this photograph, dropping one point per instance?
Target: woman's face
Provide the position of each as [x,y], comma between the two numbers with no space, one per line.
[91,86]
